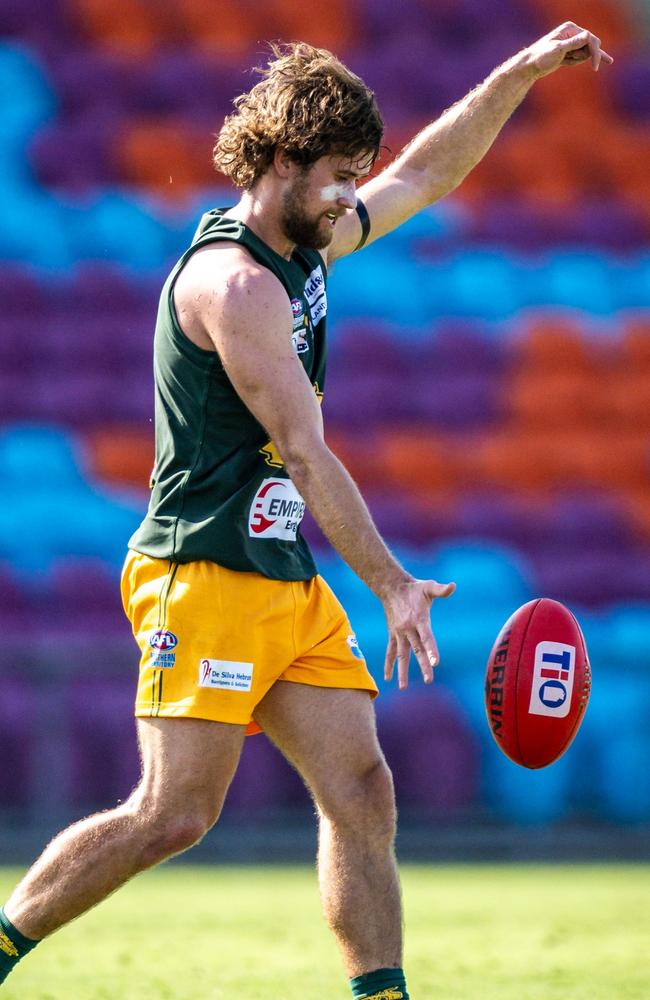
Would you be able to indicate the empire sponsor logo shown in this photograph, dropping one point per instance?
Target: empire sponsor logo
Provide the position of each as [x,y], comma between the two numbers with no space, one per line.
[553,674]
[495,684]
[276,511]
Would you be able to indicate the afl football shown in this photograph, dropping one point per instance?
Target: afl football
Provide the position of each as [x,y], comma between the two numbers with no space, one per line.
[537,683]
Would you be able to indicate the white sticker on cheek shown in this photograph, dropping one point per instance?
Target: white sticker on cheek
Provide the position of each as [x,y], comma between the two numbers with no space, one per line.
[332,191]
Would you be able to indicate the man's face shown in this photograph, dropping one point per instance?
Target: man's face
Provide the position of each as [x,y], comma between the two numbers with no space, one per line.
[317,196]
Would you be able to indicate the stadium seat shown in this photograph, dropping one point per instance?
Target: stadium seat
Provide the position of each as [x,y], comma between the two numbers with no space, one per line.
[120,455]
[264,783]
[17,746]
[33,103]
[431,751]
[231,29]
[105,765]
[167,157]
[134,30]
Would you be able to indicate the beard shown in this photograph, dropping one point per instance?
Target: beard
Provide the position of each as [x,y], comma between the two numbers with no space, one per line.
[296,225]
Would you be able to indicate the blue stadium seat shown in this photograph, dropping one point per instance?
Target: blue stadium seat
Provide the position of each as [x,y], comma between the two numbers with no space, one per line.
[31,454]
[31,102]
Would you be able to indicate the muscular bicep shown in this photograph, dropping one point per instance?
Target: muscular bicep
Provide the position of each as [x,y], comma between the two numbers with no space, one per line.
[250,323]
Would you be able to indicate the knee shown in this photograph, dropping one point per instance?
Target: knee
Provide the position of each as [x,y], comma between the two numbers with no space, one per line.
[364,806]
[165,832]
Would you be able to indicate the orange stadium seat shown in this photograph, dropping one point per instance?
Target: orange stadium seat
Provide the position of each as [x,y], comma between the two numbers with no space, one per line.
[134,28]
[553,341]
[539,459]
[330,26]
[609,19]
[540,167]
[554,399]
[636,504]
[120,455]
[171,158]
[627,153]
[491,177]
[634,350]
[360,455]
[585,95]
[226,27]
[418,460]
[626,401]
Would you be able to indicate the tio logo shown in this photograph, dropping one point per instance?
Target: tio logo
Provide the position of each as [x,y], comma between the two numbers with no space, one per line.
[553,674]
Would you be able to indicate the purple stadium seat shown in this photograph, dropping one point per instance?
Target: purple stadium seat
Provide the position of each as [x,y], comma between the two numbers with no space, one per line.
[454,401]
[430,746]
[182,81]
[459,345]
[84,596]
[87,78]
[264,780]
[104,756]
[631,81]
[15,606]
[75,154]
[16,742]
[400,520]
[594,577]
[20,292]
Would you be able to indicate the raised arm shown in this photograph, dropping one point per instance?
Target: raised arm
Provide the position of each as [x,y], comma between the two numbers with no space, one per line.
[247,316]
[440,157]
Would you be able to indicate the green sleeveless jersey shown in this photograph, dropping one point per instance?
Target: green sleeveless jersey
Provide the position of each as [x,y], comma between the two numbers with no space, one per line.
[219,487]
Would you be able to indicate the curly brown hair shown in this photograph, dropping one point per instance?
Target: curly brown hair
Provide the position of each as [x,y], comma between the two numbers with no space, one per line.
[309,104]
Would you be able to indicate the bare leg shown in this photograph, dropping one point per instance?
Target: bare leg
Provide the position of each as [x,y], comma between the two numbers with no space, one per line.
[188,765]
[330,737]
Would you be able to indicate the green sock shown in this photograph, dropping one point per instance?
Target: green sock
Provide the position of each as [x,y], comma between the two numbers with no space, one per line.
[383,984]
[13,946]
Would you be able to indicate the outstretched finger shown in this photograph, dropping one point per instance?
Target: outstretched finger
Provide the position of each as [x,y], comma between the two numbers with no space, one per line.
[403,657]
[424,646]
[595,50]
[389,661]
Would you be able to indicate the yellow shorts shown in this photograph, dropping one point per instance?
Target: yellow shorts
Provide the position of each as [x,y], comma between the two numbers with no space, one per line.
[214,641]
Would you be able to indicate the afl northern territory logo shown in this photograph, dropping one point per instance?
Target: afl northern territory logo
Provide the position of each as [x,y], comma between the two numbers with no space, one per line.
[163,640]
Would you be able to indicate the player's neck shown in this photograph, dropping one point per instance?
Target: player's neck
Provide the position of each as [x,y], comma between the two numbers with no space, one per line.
[261,213]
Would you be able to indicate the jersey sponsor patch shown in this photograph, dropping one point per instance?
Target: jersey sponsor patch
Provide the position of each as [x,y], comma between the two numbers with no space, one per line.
[353,643]
[316,295]
[276,511]
[227,675]
[300,340]
[162,643]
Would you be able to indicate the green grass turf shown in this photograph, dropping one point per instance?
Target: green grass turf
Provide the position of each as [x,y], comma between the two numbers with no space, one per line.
[473,933]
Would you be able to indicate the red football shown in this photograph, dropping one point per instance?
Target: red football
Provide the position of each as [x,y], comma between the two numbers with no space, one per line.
[537,683]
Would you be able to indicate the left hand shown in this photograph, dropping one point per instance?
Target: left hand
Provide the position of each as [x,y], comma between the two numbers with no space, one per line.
[566,45]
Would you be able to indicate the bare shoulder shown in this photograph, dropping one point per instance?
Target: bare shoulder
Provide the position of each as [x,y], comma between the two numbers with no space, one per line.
[223,289]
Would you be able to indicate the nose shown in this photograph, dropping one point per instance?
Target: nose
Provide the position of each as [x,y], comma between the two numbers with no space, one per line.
[348,196]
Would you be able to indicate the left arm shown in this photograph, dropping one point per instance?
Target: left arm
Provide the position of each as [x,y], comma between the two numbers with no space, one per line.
[440,157]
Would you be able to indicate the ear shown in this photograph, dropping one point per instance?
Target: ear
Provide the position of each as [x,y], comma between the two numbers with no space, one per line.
[282,163]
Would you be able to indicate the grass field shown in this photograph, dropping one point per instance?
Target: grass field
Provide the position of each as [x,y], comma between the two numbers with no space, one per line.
[473,933]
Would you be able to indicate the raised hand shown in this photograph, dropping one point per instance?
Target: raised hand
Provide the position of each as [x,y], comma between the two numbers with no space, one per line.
[567,45]
[408,613]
